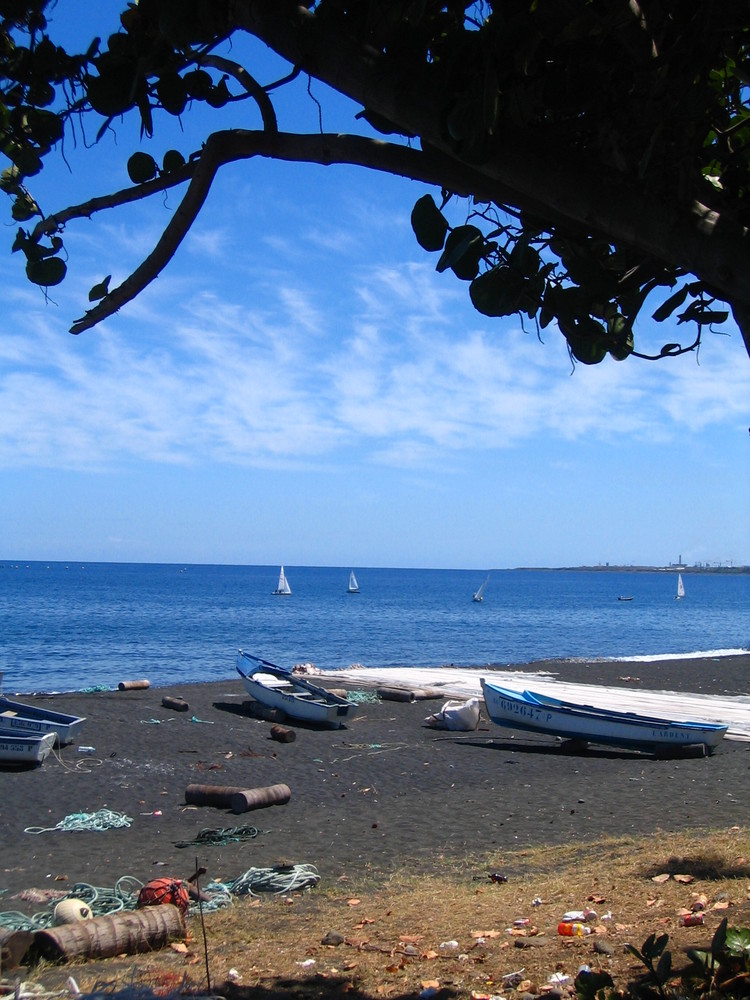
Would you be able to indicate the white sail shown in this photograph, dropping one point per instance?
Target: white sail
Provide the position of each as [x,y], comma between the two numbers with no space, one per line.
[680,587]
[353,585]
[479,596]
[283,588]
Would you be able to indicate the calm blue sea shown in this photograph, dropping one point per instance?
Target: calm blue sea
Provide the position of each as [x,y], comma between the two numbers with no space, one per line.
[69,626]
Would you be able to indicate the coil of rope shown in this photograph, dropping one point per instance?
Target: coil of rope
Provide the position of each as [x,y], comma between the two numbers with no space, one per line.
[104,819]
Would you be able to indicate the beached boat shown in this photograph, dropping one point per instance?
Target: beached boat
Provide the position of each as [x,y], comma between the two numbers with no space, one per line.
[277,687]
[540,713]
[32,719]
[680,588]
[479,596]
[353,587]
[283,589]
[22,749]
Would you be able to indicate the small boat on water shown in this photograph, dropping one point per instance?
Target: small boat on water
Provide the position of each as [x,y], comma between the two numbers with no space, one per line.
[282,589]
[353,587]
[623,598]
[479,596]
[17,717]
[680,588]
[277,687]
[538,713]
[23,749]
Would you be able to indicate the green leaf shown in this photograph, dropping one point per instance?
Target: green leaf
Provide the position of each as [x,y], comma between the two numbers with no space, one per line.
[10,180]
[429,224]
[99,290]
[24,208]
[141,167]
[737,940]
[664,968]
[46,272]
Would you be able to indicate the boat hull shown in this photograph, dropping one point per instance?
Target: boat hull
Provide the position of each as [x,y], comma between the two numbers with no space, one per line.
[298,698]
[533,712]
[20,718]
[21,750]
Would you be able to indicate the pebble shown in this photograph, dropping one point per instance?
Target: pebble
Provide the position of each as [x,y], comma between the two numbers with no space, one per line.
[602,947]
[531,942]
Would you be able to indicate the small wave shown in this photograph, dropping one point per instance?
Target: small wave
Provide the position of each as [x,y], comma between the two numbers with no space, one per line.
[708,654]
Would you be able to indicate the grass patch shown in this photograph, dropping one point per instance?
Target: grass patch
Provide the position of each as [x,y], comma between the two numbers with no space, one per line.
[387,931]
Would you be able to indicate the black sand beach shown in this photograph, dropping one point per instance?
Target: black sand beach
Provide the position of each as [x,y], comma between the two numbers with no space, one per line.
[382,793]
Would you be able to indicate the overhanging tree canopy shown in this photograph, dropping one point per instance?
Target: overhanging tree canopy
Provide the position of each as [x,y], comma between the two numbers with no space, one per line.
[592,156]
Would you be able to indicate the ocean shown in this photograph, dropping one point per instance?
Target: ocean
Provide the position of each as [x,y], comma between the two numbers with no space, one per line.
[73,626]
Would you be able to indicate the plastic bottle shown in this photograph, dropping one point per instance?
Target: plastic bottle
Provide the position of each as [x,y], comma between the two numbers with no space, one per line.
[572,929]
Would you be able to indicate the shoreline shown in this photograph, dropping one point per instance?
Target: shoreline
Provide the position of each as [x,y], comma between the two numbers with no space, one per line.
[546,664]
[381,793]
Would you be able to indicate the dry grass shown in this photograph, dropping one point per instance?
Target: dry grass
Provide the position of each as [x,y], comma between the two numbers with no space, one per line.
[392,928]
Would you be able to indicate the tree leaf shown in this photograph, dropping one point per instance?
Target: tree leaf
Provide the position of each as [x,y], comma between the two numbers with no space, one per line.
[46,272]
[429,224]
[141,167]
[668,307]
[463,250]
[99,290]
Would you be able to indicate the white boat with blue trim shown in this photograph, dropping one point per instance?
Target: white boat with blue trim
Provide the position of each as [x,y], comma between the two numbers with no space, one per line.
[23,719]
[23,749]
[538,713]
[279,688]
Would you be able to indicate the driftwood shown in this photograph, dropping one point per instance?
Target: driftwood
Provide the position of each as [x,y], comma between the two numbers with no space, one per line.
[257,710]
[283,735]
[178,704]
[111,934]
[133,685]
[396,694]
[239,800]
[13,948]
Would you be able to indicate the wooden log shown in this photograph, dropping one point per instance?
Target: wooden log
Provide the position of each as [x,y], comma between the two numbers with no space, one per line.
[396,694]
[178,704]
[14,946]
[133,685]
[257,710]
[283,735]
[121,933]
[237,799]
[258,798]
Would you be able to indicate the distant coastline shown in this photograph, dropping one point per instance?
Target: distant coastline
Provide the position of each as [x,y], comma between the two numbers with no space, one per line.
[612,568]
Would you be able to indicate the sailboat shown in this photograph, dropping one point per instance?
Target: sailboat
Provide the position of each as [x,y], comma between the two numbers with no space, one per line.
[680,588]
[479,596]
[283,589]
[353,587]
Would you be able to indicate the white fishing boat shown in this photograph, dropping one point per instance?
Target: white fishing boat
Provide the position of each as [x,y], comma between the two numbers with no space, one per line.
[680,588]
[24,748]
[353,587]
[538,713]
[277,687]
[18,717]
[479,596]
[283,589]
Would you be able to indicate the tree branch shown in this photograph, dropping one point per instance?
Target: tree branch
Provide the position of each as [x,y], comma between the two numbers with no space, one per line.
[712,246]
[229,146]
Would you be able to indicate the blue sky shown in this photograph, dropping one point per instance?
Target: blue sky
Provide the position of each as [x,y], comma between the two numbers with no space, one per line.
[301,386]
